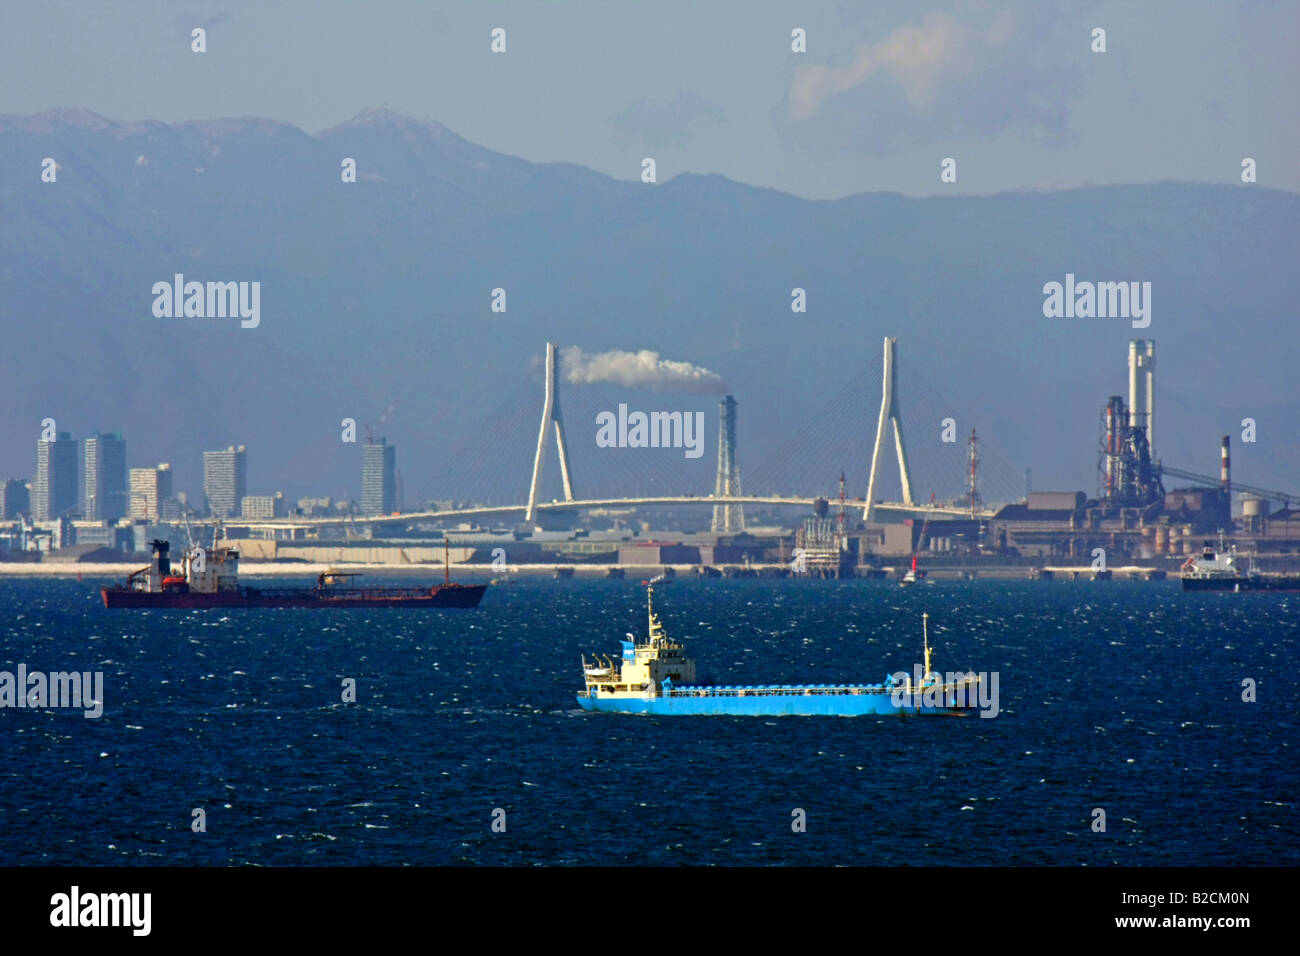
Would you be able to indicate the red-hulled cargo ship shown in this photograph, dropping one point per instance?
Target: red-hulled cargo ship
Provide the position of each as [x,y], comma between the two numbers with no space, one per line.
[210,578]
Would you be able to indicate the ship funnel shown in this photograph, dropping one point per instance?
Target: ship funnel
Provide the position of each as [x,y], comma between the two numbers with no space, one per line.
[160,549]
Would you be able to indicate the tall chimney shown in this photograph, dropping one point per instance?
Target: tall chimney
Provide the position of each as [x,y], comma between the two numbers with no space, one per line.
[1225,470]
[728,517]
[1134,406]
[1141,387]
[1149,362]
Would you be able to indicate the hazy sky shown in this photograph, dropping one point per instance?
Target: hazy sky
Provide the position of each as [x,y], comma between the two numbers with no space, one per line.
[884,92]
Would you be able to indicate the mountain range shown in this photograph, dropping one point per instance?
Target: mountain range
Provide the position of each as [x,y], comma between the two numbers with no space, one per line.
[380,291]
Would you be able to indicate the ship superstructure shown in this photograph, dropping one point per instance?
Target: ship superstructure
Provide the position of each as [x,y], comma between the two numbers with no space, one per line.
[1213,564]
[644,666]
[654,676]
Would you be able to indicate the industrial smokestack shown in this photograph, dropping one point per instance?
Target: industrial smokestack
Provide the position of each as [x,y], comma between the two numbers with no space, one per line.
[1141,388]
[1114,412]
[1225,468]
[1149,362]
[1133,406]
[727,517]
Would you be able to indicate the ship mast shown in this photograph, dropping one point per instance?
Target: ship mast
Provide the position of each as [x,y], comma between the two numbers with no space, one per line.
[655,628]
[925,637]
[650,611]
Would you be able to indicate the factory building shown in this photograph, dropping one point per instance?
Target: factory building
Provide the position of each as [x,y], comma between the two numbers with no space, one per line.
[651,553]
[1204,510]
[1042,526]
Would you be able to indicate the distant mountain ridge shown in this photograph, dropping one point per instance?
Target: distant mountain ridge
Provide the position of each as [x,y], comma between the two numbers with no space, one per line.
[380,290]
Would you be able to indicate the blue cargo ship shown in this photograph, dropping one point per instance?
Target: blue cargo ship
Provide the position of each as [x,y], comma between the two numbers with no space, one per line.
[655,676]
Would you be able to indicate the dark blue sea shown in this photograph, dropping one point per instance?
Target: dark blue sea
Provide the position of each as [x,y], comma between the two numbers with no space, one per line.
[1120,696]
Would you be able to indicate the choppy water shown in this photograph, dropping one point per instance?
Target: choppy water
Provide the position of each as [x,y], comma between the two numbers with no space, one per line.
[1124,696]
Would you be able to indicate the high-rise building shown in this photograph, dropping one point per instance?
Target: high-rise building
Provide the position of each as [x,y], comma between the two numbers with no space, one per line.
[15,499]
[106,483]
[54,489]
[378,478]
[225,477]
[151,492]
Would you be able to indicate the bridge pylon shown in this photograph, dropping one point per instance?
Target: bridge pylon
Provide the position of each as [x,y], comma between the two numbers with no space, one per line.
[550,415]
[889,412]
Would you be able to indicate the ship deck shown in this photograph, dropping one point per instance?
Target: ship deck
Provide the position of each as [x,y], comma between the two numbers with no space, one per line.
[345,594]
[778,690]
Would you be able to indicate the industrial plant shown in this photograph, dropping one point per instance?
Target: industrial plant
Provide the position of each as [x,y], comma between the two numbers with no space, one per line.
[1142,519]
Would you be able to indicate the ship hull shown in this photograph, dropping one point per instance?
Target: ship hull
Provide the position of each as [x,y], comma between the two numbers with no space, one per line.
[443,596]
[1244,583]
[829,705]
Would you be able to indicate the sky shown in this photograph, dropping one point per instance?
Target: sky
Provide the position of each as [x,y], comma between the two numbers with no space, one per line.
[883,94]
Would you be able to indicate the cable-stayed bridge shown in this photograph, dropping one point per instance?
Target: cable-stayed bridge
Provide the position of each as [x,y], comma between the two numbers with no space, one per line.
[515,471]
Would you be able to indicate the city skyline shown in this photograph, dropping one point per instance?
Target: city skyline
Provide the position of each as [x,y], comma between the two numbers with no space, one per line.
[146,493]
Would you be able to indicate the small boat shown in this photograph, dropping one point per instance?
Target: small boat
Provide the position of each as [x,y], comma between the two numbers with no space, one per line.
[911,576]
[597,669]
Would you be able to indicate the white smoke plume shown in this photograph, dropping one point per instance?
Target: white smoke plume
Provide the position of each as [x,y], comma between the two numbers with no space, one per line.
[643,369]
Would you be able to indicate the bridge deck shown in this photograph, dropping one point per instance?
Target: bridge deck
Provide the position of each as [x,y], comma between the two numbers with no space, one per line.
[592,503]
